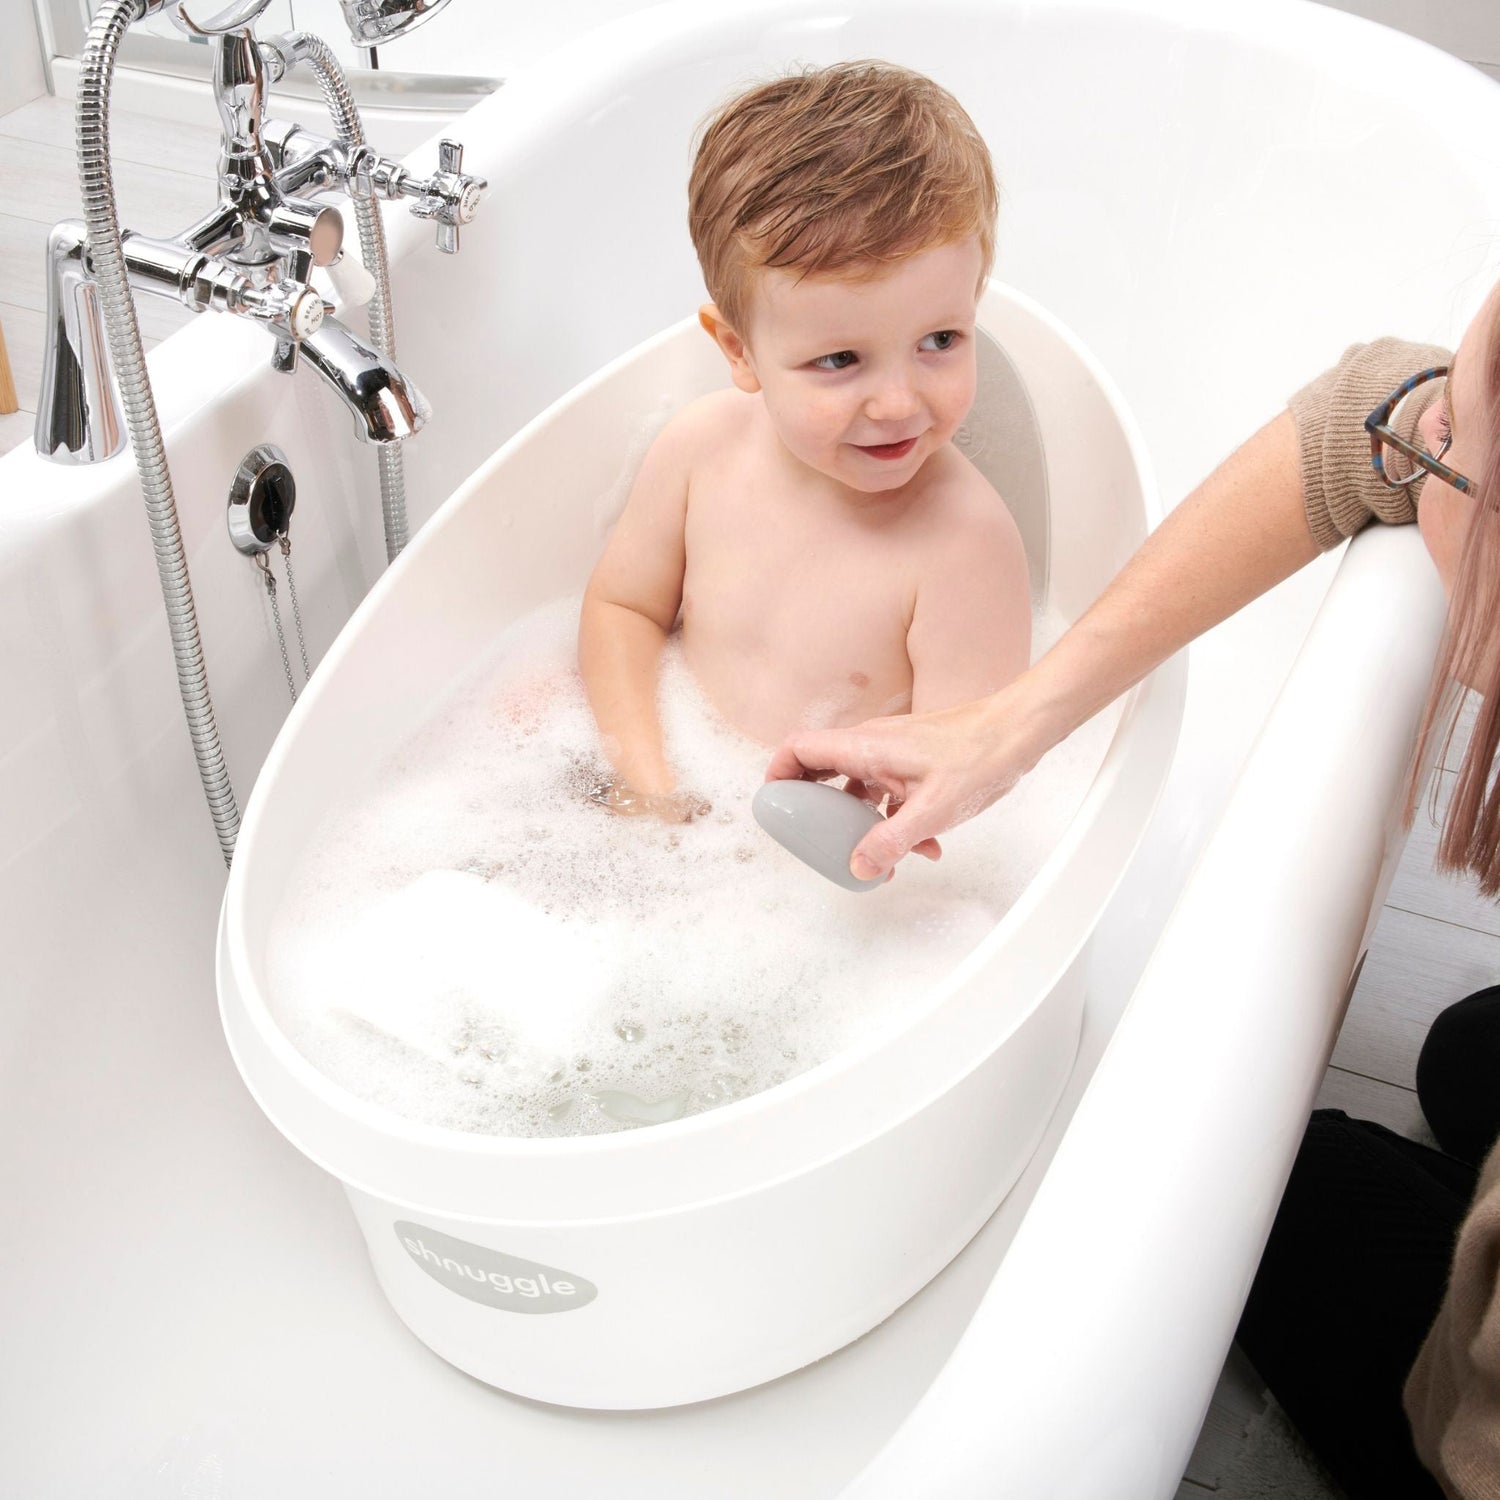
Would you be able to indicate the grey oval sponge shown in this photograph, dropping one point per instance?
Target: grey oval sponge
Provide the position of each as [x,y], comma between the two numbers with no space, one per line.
[819,824]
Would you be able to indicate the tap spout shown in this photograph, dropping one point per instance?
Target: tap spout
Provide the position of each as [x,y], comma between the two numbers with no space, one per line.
[387,407]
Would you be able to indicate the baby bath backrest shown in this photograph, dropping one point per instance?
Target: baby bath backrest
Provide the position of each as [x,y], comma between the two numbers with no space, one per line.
[1048,431]
[1003,440]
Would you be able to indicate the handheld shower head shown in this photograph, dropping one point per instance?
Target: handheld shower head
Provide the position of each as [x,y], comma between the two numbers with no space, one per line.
[215,17]
[372,23]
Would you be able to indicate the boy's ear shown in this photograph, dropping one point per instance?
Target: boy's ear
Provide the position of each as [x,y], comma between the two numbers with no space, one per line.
[717,327]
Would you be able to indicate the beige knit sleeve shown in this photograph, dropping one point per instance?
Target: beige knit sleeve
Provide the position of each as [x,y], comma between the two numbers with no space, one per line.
[1339,487]
[1452,1395]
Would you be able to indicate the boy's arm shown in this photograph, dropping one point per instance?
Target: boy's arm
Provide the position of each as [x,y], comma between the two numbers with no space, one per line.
[629,608]
[971,627]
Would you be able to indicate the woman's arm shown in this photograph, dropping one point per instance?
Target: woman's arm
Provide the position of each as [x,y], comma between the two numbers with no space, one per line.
[1242,531]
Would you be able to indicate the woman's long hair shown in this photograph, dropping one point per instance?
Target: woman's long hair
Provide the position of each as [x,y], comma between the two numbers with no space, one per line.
[1468,660]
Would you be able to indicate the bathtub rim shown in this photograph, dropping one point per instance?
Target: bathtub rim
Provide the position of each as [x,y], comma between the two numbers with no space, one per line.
[1148,727]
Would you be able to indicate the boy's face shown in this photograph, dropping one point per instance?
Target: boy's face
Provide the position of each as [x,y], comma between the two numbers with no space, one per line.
[863,380]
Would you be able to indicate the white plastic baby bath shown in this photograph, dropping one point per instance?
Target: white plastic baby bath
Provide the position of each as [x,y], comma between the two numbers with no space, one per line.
[695,1258]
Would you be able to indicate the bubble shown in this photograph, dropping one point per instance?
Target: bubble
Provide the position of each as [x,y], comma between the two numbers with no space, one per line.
[469,941]
[491,1043]
[722,1088]
[627,1109]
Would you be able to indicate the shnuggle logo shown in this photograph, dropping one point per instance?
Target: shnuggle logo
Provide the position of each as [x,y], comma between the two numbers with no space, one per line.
[492,1278]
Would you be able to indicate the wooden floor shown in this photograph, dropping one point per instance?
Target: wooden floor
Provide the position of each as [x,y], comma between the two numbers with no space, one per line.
[1437,940]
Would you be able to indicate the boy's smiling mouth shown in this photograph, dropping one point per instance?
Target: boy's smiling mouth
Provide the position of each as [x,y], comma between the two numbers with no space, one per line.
[888,450]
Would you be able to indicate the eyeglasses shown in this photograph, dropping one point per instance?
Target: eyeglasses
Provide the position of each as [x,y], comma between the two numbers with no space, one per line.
[1382,436]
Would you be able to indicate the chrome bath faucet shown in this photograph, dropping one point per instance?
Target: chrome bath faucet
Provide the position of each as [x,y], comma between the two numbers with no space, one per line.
[254,252]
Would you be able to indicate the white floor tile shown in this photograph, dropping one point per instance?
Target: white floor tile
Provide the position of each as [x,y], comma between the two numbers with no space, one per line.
[1239,1397]
[41,182]
[1368,1099]
[1461,733]
[191,149]
[1416,966]
[23,342]
[1420,888]
[23,248]
[15,429]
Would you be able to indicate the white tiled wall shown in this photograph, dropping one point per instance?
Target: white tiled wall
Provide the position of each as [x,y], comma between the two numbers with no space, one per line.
[472,36]
[21,76]
[1469,29]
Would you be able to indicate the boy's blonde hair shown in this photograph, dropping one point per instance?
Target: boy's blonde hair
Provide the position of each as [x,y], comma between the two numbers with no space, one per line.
[839,169]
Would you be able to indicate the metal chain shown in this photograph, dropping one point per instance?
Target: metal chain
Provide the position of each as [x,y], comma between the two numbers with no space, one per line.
[291,588]
[263,563]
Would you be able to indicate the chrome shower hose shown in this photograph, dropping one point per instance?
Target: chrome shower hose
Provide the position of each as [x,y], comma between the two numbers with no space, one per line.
[118,307]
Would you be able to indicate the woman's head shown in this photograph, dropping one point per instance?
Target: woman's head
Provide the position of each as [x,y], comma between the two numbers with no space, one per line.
[1462,533]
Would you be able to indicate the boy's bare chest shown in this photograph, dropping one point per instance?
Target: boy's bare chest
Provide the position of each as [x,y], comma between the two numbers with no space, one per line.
[794,616]
[755,555]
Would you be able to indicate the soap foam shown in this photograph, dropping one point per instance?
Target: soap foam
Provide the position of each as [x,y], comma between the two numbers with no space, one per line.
[471,942]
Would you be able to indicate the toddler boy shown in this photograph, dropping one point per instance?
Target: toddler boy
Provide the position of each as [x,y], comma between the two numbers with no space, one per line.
[829,552]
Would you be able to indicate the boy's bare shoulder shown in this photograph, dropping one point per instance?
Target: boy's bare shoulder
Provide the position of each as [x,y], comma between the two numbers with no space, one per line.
[708,422]
[962,529]
[693,434]
[961,504]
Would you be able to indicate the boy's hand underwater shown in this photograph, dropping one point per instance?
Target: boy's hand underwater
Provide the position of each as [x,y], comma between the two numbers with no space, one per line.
[669,807]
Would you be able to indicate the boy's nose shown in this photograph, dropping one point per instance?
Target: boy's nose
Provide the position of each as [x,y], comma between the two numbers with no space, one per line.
[893,400]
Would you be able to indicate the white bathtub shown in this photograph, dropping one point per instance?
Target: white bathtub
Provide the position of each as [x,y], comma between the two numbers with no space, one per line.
[186,1301]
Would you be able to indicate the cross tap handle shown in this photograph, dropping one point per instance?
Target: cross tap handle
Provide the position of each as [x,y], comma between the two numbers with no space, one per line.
[449,197]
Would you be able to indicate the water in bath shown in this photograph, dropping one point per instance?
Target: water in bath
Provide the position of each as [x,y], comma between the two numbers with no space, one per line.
[471,942]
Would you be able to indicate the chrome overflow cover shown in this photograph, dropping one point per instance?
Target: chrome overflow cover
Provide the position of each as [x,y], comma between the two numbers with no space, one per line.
[261,499]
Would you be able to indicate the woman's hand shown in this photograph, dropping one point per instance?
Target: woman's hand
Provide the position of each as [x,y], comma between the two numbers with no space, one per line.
[939,769]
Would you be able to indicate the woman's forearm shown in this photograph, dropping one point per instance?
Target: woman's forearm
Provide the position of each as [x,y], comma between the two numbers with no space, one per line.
[1241,532]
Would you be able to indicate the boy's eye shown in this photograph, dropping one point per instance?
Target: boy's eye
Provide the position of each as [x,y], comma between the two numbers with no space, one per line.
[941,341]
[840,361]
